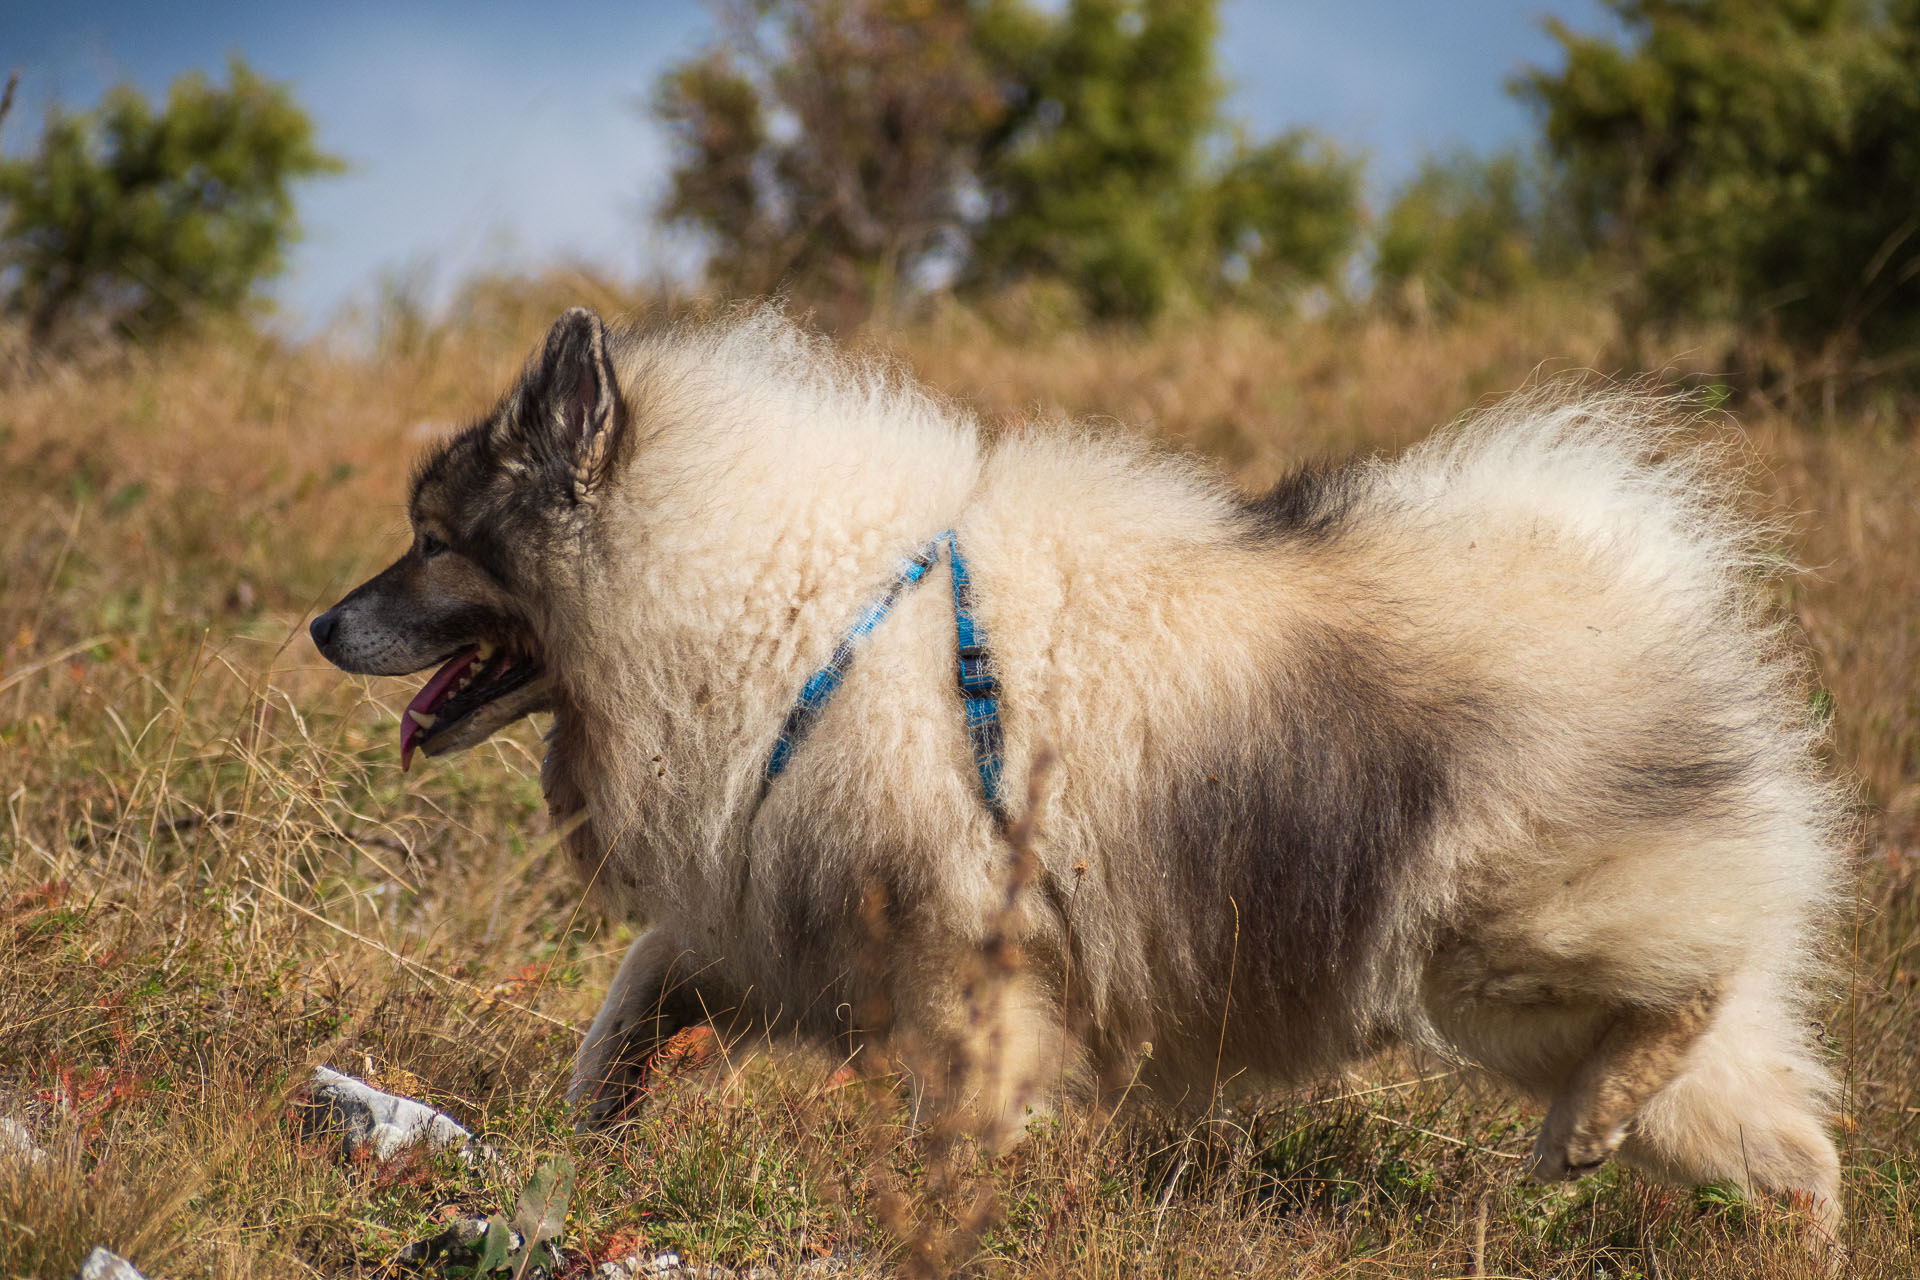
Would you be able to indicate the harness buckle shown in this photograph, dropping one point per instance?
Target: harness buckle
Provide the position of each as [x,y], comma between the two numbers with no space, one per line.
[976,679]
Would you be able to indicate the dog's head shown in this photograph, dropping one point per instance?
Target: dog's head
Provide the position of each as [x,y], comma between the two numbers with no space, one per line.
[501,517]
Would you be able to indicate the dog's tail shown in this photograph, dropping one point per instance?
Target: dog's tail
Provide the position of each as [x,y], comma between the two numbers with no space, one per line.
[1638,604]
[1631,475]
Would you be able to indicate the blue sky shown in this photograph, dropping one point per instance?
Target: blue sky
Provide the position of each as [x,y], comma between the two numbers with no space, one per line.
[487,134]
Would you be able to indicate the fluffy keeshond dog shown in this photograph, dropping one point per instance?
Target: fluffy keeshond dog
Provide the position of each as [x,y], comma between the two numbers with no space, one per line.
[1494,748]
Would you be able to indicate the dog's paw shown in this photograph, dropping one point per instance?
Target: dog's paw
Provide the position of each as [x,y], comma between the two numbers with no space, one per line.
[600,1097]
[1547,1166]
[598,1113]
[594,1109]
[607,1089]
[1562,1156]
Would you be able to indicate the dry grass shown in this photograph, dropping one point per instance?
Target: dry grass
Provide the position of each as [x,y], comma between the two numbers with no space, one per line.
[213,874]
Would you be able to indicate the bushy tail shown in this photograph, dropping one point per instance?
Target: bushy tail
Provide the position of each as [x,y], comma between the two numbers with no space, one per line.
[1629,472]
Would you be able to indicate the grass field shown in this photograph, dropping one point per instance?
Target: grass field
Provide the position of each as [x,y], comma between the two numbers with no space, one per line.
[213,874]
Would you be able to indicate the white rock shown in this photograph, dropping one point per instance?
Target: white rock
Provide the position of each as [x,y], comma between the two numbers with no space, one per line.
[383,1123]
[16,1143]
[662,1266]
[669,1265]
[464,1233]
[104,1264]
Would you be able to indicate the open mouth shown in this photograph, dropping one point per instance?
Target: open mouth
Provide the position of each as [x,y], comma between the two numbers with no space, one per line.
[470,680]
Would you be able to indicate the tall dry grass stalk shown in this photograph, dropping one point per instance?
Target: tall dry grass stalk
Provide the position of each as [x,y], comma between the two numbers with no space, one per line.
[213,874]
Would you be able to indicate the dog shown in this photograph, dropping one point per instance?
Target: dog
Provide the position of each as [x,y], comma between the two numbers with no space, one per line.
[1493,748]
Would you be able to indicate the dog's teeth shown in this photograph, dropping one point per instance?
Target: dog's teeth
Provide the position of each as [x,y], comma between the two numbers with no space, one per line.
[485,650]
[421,718]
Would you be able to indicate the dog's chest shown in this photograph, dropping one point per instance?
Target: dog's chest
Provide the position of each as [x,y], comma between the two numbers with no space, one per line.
[622,815]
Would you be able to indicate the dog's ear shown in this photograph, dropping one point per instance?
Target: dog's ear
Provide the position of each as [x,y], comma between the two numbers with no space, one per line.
[571,402]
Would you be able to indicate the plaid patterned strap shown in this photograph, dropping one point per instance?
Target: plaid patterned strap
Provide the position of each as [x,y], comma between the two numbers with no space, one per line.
[824,683]
[979,689]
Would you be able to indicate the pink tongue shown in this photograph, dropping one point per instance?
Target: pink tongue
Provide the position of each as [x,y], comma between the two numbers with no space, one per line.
[428,698]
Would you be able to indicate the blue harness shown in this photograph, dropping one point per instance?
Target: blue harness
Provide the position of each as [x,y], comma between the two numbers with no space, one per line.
[979,690]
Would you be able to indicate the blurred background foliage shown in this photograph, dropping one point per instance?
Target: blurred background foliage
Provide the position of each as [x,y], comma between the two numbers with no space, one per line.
[860,152]
[1470,227]
[1750,161]
[132,219]
[1749,168]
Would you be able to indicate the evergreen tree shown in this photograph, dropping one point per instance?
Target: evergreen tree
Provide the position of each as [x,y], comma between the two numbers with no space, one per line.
[1751,160]
[852,149]
[138,218]
[1091,177]
[1279,216]
[1468,226]
[823,145]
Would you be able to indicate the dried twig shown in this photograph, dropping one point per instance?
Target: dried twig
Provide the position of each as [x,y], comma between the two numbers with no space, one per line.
[941,1220]
[1442,1137]
[1654,1270]
[410,963]
[52,659]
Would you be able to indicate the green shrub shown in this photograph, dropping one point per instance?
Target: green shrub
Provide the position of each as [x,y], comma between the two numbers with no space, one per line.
[857,151]
[136,219]
[1750,161]
[1467,227]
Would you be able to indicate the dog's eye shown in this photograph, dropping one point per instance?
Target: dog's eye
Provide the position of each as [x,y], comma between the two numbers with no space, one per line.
[430,546]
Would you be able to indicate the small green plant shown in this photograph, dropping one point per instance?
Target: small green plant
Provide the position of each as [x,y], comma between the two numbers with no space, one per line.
[523,1245]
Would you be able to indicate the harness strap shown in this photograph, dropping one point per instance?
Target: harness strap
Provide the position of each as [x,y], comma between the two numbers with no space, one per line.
[979,689]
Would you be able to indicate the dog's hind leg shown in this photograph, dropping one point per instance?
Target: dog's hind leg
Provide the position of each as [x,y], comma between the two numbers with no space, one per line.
[1639,1053]
[661,988]
[1750,1108]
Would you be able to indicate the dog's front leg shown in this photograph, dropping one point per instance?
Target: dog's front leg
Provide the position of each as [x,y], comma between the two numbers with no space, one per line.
[984,1046]
[660,989]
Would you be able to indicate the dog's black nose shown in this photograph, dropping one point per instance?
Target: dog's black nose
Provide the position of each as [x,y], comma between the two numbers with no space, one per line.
[323,628]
